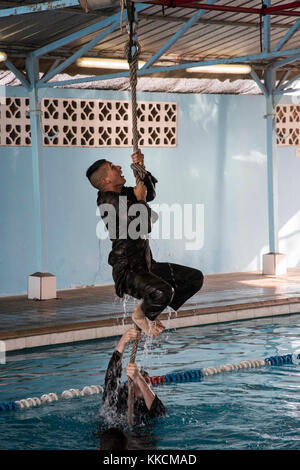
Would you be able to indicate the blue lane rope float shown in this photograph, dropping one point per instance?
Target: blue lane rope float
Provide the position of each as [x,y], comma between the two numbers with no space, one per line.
[174,377]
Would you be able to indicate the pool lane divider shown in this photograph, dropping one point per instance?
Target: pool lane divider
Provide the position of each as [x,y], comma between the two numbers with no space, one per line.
[50,397]
[174,377]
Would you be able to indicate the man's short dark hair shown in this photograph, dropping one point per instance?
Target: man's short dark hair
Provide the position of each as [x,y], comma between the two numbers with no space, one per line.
[113,439]
[145,374]
[94,167]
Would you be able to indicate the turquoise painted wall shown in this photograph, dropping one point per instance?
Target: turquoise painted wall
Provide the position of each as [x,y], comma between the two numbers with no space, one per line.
[220,162]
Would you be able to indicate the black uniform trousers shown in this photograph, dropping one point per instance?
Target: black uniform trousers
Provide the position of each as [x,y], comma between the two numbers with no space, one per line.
[166,284]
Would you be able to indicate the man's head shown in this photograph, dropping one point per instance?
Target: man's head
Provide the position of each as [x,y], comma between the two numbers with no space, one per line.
[137,391]
[113,439]
[146,376]
[105,176]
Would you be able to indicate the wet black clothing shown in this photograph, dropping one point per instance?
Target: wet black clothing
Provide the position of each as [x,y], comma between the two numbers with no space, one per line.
[126,253]
[135,272]
[166,284]
[115,395]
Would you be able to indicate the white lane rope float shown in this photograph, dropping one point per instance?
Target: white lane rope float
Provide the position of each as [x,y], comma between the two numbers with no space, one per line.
[51,397]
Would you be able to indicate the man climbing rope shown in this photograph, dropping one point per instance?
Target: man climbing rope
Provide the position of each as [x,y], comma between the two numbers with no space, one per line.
[134,270]
[146,403]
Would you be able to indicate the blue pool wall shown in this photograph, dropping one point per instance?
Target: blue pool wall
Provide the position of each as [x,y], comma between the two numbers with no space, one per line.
[219,162]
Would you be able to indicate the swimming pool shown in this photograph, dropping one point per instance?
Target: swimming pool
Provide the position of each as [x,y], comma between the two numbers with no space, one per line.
[244,409]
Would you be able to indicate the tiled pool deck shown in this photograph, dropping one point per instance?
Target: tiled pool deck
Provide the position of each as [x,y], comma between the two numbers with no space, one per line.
[96,312]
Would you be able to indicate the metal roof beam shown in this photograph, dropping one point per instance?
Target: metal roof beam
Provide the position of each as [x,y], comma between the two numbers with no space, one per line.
[225,8]
[72,37]
[142,71]
[32,69]
[284,86]
[258,82]
[176,36]
[178,19]
[19,75]
[232,60]
[288,60]
[287,36]
[283,92]
[96,78]
[283,78]
[52,66]
[267,29]
[37,7]
[81,51]
[81,33]
[285,6]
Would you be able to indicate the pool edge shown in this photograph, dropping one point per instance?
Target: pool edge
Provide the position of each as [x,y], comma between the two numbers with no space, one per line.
[117,326]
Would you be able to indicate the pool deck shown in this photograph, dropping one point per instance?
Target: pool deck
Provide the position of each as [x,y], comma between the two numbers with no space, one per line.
[94,312]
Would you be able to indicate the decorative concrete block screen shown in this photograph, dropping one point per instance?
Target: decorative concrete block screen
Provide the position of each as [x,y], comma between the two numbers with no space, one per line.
[89,123]
[288,124]
[14,122]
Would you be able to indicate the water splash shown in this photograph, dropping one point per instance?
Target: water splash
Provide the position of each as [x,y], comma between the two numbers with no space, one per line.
[108,407]
[146,350]
[125,299]
[168,329]
[112,417]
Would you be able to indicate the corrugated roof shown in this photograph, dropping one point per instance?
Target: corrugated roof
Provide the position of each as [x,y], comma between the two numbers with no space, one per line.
[215,35]
[156,84]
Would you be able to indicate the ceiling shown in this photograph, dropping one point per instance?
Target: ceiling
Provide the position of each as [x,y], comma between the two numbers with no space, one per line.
[216,35]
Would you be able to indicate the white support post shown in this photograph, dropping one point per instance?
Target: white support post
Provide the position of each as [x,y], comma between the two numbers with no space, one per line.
[274,263]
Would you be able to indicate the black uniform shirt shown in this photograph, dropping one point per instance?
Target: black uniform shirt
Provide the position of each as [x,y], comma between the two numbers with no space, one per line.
[127,253]
[115,395]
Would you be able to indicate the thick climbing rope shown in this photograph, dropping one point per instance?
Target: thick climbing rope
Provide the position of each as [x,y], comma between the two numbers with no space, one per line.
[132,51]
[130,383]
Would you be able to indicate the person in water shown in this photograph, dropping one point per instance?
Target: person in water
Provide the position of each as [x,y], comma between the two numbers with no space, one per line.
[147,405]
[134,270]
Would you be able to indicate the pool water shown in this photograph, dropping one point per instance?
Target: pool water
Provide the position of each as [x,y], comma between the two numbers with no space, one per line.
[244,409]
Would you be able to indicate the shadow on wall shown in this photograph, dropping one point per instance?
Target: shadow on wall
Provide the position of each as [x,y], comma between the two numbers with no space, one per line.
[240,202]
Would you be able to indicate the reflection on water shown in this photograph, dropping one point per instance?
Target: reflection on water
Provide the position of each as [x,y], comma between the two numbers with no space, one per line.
[139,437]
